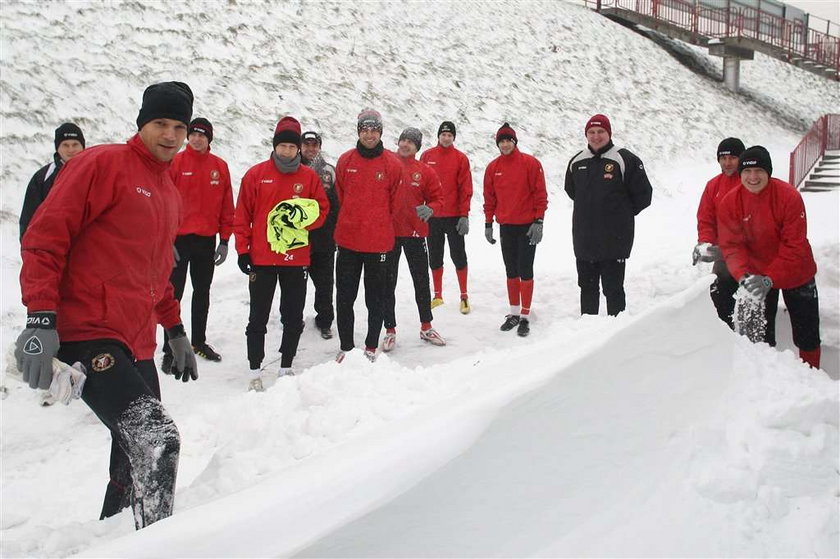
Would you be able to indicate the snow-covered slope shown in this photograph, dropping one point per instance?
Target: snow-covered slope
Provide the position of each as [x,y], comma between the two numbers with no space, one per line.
[650,441]
[309,440]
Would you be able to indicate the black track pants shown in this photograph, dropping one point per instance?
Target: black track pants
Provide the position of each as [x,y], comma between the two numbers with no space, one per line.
[322,273]
[196,253]
[441,229]
[418,265]
[262,282]
[803,306]
[610,274]
[348,274]
[125,396]
[517,251]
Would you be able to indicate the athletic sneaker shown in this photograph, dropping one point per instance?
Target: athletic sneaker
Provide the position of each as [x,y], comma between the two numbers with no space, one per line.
[256,385]
[465,306]
[207,352]
[436,302]
[524,328]
[389,342]
[285,372]
[431,335]
[370,354]
[511,320]
[340,357]
[326,333]
[166,364]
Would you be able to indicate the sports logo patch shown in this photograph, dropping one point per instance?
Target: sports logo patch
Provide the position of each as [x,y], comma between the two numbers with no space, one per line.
[214,174]
[416,176]
[380,175]
[33,346]
[609,167]
[298,188]
[326,178]
[102,362]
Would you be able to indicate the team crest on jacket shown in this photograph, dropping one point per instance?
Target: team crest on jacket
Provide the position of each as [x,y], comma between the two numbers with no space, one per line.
[214,174]
[609,167]
[102,362]
[298,188]
[326,178]
[380,175]
[416,176]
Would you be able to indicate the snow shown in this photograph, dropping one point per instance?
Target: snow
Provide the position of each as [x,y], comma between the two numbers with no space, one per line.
[659,433]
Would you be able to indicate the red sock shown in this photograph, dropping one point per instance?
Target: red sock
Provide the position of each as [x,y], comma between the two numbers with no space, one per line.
[527,290]
[390,330]
[437,281]
[513,291]
[811,357]
[425,326]
[462,281]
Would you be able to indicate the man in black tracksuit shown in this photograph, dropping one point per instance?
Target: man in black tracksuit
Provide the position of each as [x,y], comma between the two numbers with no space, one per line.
[321,241]
[609,187]
[69,142]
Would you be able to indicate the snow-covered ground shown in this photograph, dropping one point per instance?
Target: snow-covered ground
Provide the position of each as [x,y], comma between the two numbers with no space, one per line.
[657,433]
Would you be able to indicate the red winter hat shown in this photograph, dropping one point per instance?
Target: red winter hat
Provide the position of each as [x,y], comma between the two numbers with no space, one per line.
[287,131]
[598,120]
[506,133]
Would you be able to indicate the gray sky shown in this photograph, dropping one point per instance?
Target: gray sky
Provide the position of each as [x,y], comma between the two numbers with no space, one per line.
[826,9]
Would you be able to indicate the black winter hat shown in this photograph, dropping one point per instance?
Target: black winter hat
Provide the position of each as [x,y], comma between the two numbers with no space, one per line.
[311,136]
[412,135]
[172,100]
[730,146]
[447,126]
[756,156]
[202,126]
[68,131]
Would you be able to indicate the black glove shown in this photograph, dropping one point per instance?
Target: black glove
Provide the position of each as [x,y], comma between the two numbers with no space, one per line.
[756,285]
[244,263]
[184,366]
[35,348]
[488,233]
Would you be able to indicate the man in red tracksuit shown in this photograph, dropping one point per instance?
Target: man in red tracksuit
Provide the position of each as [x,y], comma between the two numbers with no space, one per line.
[452,222]
[763,231]
[515,194]
[419,198]
[367,180]
[279,201]
[724,287]
[95,281]
[203,180]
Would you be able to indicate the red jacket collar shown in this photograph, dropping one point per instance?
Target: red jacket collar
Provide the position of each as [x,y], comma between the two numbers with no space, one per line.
[136,143]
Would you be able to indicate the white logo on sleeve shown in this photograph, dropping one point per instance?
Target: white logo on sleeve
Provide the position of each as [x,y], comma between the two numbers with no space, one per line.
[144,192]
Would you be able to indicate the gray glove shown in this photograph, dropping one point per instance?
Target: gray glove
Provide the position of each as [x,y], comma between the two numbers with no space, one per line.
[184,366]
[488,233]
[424,212]
[756,285]
[463,226]
[35,348]
[535,232]
[221,253]
[705,252]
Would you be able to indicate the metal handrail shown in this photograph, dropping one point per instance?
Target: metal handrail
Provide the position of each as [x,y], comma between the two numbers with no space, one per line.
[794,38]
[823,135]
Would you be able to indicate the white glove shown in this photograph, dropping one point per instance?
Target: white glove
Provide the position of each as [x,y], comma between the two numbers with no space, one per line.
[68,382]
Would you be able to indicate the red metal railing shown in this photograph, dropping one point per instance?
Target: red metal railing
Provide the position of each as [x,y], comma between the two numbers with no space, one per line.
[789,37]
[823,135]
